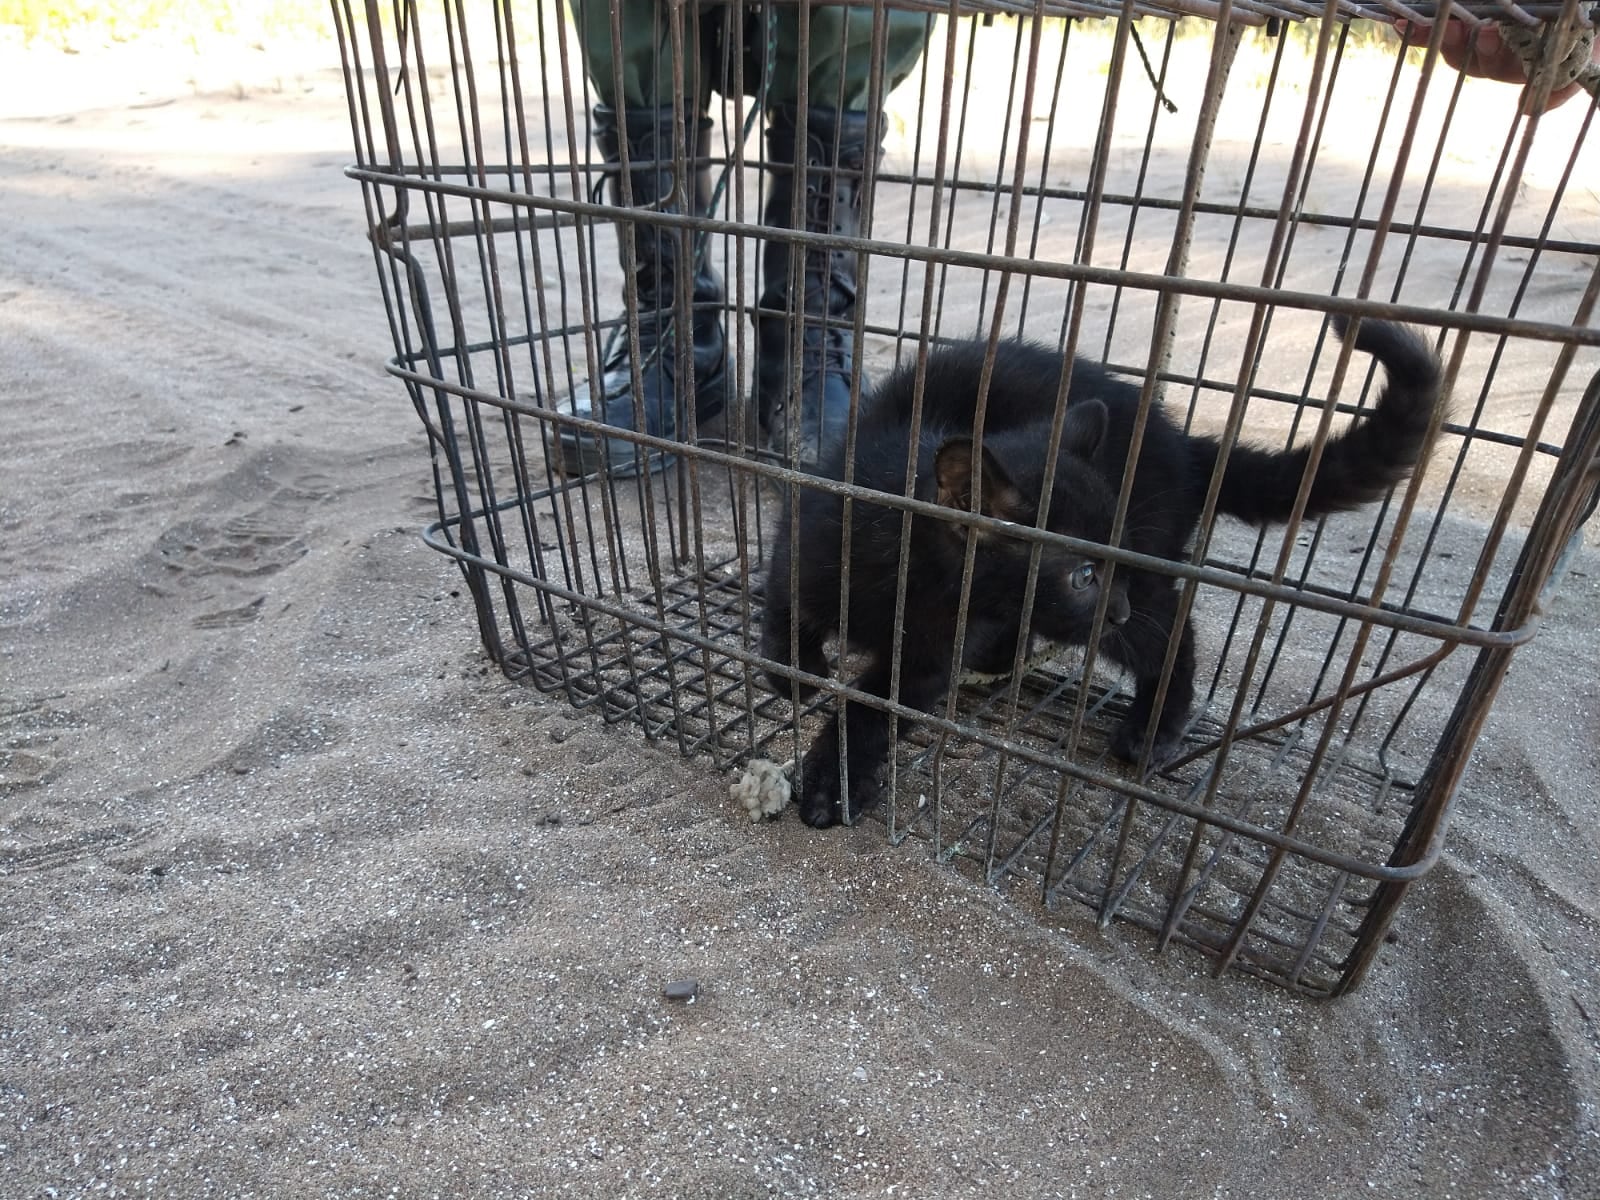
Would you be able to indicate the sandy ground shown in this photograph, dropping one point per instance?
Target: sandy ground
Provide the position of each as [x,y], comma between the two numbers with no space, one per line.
[299,897]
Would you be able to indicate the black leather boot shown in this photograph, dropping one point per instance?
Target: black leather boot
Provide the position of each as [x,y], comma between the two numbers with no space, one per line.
[827,291]
[657,253]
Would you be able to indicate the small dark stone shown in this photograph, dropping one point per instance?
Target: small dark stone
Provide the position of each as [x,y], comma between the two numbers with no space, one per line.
[550,819]
[561,733]
[682,990]
[158,872]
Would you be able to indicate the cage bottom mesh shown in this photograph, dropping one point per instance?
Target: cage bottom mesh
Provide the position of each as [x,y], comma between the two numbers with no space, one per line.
[1037,832]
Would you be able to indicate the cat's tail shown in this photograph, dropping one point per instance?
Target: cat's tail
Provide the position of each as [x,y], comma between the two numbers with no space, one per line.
[1358,466]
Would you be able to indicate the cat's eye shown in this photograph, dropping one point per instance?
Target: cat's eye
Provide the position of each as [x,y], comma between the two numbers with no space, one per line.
[1082,577]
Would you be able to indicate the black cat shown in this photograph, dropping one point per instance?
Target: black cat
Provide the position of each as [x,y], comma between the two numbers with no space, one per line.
[1174,470]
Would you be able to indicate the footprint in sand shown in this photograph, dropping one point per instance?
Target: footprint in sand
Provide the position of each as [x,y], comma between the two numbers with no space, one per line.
[69,847]
[252,546]
[313,485]
[231,618]
[30,740]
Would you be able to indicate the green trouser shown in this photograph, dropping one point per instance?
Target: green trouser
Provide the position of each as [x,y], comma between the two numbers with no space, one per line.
[840,51]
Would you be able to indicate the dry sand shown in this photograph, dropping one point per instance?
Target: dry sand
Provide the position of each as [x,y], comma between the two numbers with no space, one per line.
[298,897]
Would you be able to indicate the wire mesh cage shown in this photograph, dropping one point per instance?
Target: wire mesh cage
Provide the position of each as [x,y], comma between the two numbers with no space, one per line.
[653,324]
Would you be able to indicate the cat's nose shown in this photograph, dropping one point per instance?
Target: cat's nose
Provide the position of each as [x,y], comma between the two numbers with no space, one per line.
[1117,609]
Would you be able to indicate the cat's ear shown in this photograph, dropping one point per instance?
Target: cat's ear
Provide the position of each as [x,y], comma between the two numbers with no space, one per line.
[1084,428]
[953,468]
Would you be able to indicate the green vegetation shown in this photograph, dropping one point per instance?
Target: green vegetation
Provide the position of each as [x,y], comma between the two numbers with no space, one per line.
[59,22]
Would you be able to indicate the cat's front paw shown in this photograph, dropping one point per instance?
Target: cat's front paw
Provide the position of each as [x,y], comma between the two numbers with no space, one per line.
[821,792]
[818,789]
[1128,742]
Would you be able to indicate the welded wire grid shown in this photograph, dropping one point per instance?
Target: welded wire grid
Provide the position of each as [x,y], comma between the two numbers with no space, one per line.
[1177,218]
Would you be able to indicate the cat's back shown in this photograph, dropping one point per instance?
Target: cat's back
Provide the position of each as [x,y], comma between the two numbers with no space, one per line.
[1023,385]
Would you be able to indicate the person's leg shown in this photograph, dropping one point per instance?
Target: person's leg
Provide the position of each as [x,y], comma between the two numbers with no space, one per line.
[643,77]
[636,111]
[839,71]
[829,156]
